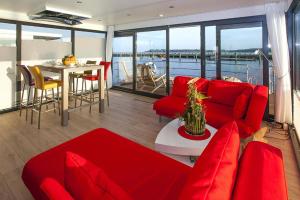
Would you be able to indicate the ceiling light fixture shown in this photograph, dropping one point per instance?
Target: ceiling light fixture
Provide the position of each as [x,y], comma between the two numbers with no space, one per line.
[79,2]
[171,7]
[128,15]
[161,15]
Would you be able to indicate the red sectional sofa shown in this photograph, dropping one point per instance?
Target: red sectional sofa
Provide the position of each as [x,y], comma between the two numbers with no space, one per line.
[242,102]
[104,165]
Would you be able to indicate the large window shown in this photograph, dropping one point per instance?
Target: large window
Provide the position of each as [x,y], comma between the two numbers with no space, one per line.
[210,52]
[297,50]
[151,62]
[41,45]
[7,65]
[238,46]
[123,62]
[89,46]
[185,51]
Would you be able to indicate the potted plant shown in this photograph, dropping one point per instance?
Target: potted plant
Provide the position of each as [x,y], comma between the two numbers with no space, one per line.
[194,114]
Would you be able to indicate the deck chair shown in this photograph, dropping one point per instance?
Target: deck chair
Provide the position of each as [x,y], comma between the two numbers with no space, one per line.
[149,76]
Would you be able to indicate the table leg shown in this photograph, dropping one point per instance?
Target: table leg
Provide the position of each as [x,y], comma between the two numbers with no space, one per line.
[101,90]
[65,96]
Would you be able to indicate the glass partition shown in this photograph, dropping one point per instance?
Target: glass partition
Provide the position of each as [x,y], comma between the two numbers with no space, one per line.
[151,62]
[7,65]
[89,46]
[41,45]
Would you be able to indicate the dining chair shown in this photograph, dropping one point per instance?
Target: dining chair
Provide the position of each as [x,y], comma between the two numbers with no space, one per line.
[29,83]
[41,84]
[93,78]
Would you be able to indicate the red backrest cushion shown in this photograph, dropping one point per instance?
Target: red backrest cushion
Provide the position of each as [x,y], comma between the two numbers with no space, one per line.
[213,175]
[86,181]
[257,106]
[202,85]
[225,92]
[180,86]
[260,174]
[54,190]
[241,103]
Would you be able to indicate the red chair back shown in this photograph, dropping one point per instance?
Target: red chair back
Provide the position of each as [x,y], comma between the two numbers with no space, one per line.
[106,68]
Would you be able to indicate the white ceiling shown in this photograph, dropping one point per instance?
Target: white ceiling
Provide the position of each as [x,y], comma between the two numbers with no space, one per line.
[112,12]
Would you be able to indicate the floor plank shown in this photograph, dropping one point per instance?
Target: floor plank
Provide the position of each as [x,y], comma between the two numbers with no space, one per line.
[129,115]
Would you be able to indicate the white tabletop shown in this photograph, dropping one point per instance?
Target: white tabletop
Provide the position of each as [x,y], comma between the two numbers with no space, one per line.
[169,141]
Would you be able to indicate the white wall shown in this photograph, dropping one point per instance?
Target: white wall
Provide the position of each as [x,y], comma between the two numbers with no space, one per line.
[226,14]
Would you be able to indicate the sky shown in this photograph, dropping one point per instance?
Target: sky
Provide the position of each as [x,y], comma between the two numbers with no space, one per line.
[189,38]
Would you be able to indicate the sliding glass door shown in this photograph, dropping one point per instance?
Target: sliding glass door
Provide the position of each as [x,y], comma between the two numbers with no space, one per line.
[151,62]
[123,62]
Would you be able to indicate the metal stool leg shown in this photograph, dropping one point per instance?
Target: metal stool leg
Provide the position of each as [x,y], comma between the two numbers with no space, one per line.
[33,104]
[27,104]
[40,109]
[21,100]
[81,95]
[53,100]
[76,90]
[107,93]
[91,94]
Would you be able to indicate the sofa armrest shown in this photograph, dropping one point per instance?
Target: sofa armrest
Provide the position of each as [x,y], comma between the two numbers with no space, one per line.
[260,174]
[257,106]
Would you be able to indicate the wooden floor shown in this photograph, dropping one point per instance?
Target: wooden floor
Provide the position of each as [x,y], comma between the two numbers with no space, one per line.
[129,115]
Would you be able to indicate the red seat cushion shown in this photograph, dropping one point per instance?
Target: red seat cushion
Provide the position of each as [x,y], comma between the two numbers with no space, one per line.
[241,103]
[217,114]
[224,92]
[91,77]
[54,190]
[86,181]
[180,86]
[213,175]
[136,169]
[261,174]
[170,106]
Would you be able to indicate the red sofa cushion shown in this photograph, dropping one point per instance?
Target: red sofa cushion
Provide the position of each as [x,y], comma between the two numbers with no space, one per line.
[217,114]
[202,85]
[241,103]
[213,175]
[170,106]
[86,181]
[225,92]
[180,86]
[54,190]
[136,169]
[261,174]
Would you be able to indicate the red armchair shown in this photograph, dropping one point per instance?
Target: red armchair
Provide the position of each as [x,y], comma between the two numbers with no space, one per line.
[228,101]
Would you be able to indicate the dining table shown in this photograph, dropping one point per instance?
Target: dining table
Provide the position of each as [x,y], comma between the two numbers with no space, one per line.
[64,72]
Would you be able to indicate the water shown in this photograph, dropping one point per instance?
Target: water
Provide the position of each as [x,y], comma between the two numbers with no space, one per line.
[247,71]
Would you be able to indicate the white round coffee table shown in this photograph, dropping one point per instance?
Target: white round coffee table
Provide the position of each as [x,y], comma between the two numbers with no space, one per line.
[169,141]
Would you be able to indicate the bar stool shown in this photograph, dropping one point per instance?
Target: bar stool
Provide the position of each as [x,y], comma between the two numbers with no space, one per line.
[78,76]
[29,83]
[41,84]
[93,78]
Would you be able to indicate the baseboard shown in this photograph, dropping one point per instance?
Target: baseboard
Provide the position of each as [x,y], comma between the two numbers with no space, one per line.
[296,144]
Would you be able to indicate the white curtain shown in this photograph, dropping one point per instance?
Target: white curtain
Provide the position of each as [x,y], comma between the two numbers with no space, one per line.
[276,22]
[109,46]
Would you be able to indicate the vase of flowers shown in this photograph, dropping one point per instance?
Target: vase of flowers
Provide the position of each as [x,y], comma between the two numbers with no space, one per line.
[194,114]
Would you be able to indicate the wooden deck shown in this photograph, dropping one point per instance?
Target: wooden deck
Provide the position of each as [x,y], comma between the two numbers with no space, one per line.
[129,115]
